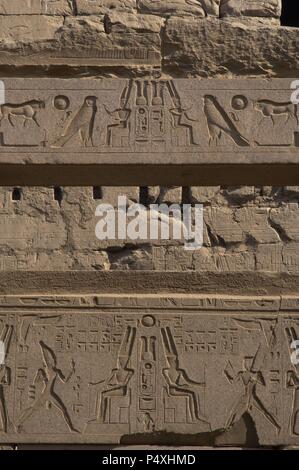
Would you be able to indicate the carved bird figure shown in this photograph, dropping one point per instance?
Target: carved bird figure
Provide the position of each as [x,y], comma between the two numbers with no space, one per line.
[220,123]
[81,123]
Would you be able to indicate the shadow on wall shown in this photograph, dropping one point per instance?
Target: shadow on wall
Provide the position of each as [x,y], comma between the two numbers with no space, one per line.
[290,13]
[242,434]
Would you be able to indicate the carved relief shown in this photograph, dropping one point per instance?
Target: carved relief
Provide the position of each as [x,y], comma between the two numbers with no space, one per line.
[118,131]
[219,123]
[250,377]
[6,331]
[143,121]
[81,123]
[116,386]
[27,111]
[177,380]
[292,382]
[149,120]
[21,118]
[47,377]
[271,109]
[101,367]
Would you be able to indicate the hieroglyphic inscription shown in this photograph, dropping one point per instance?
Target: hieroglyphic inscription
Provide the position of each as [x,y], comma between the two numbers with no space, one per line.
[96,368]
[150,120]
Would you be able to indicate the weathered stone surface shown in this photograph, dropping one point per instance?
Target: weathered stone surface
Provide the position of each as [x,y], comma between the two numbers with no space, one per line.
[112,370]
[202,194]
[102,33]
[259,49]
[127,22]
[110,194]
[36,7]
[158,194]
[45,232]
[198,8]
[25,29]
[263,8]
[157,122]
[95,7]
[118,39]
[114,40]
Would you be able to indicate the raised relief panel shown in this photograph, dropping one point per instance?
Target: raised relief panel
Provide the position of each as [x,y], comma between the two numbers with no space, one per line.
[148,121]
[94,369]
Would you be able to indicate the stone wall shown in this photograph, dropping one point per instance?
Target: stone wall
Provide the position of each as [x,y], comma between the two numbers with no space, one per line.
[144,315]
[180,37]
[246,229]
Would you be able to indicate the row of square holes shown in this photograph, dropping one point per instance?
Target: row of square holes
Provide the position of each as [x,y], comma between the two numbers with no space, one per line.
[16,194]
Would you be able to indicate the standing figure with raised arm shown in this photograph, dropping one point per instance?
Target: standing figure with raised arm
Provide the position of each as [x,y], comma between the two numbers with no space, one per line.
[48,376]
[250,377]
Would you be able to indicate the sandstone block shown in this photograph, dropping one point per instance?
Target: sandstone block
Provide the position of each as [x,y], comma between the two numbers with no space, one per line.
[259,50]
[269,258]
[286,222]
[160,195]
[110,40]
[223,226]
[198,8]
[36,7]
[255,224]
[239,194]
[202,194]
[252,8]
[101,7]
[26,29]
